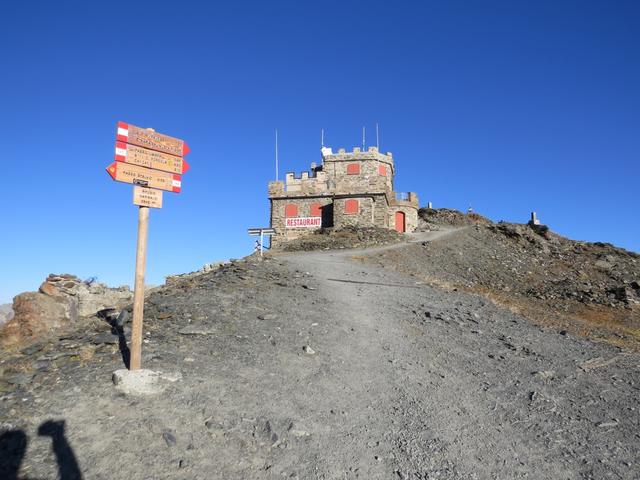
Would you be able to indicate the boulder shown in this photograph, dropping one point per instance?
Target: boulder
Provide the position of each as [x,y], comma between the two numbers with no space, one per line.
[91,296]
[97,296]
[36,315]
[60,300]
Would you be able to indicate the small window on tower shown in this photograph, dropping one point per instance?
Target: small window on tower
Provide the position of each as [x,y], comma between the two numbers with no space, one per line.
[351,207]
[316,210]
[353,169]
[291,210]
[382,170]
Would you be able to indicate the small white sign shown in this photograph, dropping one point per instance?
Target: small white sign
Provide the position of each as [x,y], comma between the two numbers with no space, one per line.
[303,222]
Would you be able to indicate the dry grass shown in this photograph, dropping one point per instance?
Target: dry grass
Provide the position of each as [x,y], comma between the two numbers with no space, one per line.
[596,322]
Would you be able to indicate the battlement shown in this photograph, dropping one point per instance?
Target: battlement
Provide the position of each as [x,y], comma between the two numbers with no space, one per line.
[371,153]
[314,183]
[408,199]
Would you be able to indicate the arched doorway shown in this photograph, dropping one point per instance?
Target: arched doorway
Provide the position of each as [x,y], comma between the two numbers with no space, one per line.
[400,224]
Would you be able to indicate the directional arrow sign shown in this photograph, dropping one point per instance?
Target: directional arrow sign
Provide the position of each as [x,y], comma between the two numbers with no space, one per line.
[127,173]
[152,140]
[150,158]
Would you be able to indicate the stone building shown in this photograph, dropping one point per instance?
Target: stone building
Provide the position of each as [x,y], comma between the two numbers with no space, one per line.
[347,188]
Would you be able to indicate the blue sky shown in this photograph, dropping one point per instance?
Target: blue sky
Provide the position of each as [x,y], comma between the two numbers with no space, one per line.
[505,106]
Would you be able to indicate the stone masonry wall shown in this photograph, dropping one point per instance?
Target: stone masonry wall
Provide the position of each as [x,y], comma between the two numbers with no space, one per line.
[306,184]
[368,180]
[381,211]
[364,217]
[410,217]
[304,210]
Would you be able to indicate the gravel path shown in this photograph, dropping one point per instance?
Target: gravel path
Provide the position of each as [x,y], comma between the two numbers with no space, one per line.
[313,366]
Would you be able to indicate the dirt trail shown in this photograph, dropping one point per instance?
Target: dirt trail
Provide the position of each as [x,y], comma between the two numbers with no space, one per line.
[458,412]
[317,367]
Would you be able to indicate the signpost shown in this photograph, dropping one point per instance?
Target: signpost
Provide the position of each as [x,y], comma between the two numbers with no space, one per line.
[146,177]
[150,158]
[148,138]
[147,197]
[152,162]
[254,232]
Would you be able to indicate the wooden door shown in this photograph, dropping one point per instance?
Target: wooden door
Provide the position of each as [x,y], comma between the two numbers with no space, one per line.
[400,227]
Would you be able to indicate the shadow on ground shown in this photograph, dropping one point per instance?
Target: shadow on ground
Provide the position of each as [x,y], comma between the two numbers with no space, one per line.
[13,447]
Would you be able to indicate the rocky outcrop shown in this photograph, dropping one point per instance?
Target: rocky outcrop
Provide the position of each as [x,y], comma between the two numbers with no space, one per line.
[36,315]
[530,260]
[6,313]
[91,296]
[61,300]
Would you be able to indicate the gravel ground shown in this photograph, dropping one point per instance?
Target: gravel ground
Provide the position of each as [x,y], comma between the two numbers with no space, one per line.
[314,366]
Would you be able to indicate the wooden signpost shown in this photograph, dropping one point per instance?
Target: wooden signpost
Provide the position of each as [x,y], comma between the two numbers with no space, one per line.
[150,158]
[145,177]
[147,197]
[148,138]
[152,162]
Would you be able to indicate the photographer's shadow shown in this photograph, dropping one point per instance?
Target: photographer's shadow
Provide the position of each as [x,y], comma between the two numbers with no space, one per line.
[13,447]
[68,468]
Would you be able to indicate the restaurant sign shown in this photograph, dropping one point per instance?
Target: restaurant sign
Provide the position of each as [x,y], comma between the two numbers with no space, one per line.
[303,222]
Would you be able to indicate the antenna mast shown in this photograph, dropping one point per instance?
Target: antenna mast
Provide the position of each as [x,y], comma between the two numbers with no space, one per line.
[322,137]
[276,154]
[377,137]
[363,139]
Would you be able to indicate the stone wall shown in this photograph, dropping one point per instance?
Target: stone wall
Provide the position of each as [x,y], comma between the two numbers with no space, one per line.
[365,216]
[410,217]
[369,180]
[306,184]
[381,211]
[278,216]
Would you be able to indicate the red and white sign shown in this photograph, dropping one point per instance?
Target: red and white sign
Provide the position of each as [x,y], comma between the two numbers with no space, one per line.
[303,222]
[149,139]
[145,177]
[150,158]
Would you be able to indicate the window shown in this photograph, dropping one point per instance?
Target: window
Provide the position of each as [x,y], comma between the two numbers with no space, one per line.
[316,210]
[351,207]
[382,170]
[353,169]
[291,210]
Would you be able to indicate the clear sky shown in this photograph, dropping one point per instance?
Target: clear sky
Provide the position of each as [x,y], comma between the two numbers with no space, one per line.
[505,106]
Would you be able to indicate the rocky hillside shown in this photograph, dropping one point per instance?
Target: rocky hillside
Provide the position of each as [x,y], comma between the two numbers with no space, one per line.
[310,365]
[587,288]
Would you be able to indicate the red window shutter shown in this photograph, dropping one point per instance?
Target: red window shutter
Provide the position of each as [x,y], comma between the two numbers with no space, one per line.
[353,169]
[316,210]
[291,210]
[351,207]
[382,170]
